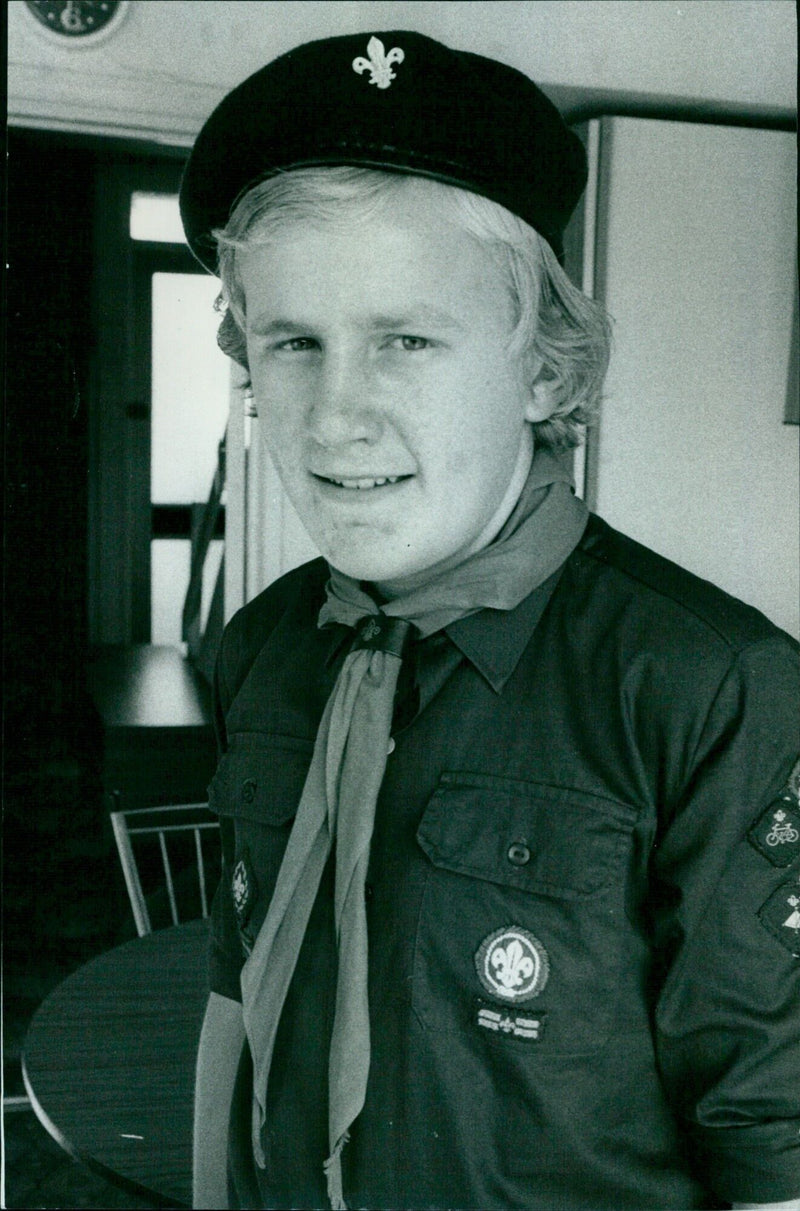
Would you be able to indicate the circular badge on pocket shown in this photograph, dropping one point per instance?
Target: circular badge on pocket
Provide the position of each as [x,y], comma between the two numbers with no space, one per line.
[512,964]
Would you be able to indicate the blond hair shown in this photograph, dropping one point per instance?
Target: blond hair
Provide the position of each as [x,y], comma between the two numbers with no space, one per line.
[569,332]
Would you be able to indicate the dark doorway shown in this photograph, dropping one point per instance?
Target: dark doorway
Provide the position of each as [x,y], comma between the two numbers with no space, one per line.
[64,898]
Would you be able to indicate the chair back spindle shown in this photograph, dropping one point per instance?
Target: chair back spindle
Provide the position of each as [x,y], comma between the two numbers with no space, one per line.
[201,872]
[163,823]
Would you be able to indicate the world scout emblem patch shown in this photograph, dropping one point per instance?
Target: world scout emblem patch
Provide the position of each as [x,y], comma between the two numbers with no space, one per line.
[243,889]
[512,965]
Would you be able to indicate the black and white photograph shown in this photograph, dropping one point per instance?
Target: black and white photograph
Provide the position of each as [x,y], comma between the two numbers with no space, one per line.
[401,606]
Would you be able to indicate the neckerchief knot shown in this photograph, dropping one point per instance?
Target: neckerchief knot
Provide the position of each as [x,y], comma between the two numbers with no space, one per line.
[378,633]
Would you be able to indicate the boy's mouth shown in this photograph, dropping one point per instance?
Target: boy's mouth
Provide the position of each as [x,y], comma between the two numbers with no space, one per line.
[361,483]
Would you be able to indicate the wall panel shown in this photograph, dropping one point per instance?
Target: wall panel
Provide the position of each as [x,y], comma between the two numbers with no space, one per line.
[697,266]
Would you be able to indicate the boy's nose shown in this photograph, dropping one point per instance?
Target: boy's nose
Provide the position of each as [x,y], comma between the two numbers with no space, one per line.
[343,408]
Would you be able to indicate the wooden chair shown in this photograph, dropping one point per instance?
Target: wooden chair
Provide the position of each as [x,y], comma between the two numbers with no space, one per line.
[135,832]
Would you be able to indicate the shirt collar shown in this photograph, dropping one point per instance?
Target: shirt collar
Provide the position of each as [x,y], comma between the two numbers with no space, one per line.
[494,640]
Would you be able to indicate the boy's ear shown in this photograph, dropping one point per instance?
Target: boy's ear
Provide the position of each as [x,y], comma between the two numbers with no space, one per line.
[541,389]
[231,340]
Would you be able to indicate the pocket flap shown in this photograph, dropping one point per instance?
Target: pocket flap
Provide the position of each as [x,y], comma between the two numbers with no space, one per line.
[260,777]
[540,838]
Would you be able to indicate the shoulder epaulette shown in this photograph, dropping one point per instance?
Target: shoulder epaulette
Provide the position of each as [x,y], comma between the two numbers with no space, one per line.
[735,622]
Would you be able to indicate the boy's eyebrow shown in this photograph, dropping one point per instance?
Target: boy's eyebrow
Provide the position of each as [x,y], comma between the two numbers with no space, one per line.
[425,313]
[267,327]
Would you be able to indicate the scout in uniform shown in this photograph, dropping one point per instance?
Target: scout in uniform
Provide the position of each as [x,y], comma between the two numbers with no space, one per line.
[509,914]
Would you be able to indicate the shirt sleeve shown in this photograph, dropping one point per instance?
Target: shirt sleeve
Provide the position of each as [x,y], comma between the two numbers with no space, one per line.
[726,883]
[225,956]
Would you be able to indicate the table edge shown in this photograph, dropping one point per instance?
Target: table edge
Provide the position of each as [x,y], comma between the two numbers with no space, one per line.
[112,1176]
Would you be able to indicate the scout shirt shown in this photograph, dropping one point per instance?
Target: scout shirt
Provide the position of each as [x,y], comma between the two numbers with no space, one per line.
[583,899]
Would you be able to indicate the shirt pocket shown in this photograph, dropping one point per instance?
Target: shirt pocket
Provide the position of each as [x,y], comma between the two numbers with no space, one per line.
[528,874]
[257,787]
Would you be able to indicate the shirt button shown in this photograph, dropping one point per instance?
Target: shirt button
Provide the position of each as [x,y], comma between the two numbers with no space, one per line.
[519,854]
[249,787]
[390,747]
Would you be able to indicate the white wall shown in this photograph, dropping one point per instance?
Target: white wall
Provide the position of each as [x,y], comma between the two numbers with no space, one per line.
[170,61]
[699,268]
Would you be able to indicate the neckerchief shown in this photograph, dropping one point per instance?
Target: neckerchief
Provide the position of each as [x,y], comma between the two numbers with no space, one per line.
[345,775]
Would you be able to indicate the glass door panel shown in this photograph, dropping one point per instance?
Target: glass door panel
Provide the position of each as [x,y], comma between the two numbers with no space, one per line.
[189,400]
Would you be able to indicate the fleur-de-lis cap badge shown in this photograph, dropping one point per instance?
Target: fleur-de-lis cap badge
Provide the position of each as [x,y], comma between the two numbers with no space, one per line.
[379,63]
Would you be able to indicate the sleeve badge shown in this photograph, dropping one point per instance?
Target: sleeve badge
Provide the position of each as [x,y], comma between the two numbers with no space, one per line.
[776,833]
[780,915]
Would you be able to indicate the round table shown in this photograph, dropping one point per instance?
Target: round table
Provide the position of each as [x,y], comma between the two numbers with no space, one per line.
[109,1061]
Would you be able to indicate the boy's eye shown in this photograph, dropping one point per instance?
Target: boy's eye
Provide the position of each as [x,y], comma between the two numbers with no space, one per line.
[410,344]
[297,344]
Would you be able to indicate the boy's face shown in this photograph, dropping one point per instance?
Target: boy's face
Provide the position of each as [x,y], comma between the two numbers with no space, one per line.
[387,397]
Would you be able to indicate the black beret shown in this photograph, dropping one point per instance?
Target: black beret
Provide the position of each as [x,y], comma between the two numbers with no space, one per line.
[395,101]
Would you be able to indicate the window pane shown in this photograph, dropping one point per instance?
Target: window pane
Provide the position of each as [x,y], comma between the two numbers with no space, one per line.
[170,563]
[155,216]
[190,387]
[169,578]
[210,572]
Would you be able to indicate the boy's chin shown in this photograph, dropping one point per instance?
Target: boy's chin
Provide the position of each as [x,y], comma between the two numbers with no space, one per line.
[368,571]
[377,570]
